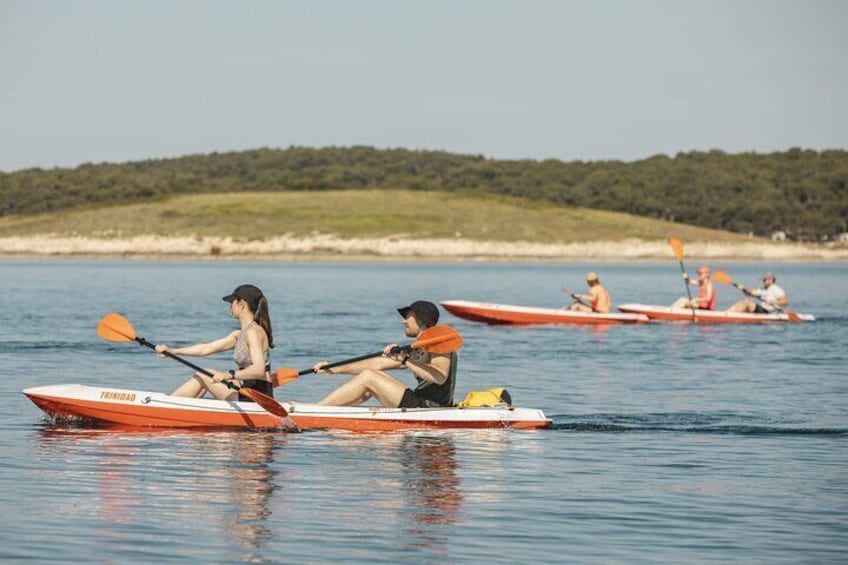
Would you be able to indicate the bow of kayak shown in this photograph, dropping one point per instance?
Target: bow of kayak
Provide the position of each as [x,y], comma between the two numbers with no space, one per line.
[151,409]
[508,314]
[144,408]
[667,313]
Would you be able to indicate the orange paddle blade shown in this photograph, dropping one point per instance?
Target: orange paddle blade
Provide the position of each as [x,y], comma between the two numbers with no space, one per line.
[283,376]
[677,247]
[439,339]
[114,327]
[283,381]
[722,277]
[265,401]
[793,317]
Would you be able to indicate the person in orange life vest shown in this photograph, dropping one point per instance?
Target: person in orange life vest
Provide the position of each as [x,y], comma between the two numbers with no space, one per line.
[706,299]
[435,373]
[597,300]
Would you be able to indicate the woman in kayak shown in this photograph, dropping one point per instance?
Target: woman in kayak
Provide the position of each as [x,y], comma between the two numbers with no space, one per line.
[771,297]
[435,373]
[706,299]
[251,347]
[597,300]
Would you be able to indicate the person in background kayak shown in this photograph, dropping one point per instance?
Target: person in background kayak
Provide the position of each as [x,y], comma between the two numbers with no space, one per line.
[597,300]
[771,296]
[706,299]
[251,347]
[435,373]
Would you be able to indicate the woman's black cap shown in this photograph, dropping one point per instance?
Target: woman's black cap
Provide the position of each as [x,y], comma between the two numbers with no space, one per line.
[246,292]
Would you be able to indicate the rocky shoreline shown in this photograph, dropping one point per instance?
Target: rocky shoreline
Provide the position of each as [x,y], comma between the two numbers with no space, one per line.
[328,247]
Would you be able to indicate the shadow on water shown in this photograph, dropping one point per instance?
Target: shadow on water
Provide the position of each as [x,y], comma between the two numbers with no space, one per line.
[685,422]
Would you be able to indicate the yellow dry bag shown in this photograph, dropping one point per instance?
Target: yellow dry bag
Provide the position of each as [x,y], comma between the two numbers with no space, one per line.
[490,397]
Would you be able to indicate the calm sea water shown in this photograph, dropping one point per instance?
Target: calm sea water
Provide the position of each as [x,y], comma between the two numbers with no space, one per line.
[671,442]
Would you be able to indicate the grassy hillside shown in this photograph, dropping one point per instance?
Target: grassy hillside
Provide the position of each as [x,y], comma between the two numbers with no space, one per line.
[803,193]
[356,214]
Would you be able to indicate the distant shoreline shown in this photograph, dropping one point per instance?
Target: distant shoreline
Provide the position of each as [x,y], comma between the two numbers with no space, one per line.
[331,248]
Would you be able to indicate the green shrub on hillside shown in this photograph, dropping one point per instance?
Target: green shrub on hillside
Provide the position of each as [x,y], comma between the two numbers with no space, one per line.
[804,193]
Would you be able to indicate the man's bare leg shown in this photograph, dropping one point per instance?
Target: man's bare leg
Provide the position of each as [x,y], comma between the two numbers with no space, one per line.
[364,385]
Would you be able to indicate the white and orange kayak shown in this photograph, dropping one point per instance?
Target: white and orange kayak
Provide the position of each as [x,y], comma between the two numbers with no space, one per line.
[667,313]
[526,315]
[153,409]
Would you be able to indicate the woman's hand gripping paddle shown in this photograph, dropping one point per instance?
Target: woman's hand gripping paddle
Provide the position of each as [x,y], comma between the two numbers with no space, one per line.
[114,327]
[438,339]
[724,278]
[677,247]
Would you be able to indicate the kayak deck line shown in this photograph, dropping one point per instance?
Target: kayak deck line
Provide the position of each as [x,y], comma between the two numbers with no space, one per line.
[152,409]
[509,314]
[667,313]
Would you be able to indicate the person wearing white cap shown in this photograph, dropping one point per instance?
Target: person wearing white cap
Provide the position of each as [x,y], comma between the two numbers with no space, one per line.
[597,300]
[434,373]
[771,296]
[706,299]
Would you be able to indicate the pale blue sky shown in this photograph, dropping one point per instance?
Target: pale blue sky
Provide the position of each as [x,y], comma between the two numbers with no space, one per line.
[93,81]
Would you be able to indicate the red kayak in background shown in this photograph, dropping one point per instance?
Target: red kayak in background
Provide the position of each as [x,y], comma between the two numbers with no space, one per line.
[526,315]
[666,313]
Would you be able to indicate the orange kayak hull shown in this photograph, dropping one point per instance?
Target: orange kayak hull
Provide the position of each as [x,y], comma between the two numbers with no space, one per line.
[668,314]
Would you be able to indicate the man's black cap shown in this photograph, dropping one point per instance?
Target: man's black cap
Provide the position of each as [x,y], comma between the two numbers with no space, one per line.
[425,312]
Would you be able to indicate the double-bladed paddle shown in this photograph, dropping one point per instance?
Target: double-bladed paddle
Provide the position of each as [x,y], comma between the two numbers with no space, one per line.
[724,278]
[677,247]
[438,339]
[114,327]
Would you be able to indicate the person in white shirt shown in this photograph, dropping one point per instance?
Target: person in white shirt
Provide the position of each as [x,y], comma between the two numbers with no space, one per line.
[771,298]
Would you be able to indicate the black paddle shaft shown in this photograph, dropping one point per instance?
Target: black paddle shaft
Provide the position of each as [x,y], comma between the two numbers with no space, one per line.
[266,402]
[688,292]
[146,343]
[355,359]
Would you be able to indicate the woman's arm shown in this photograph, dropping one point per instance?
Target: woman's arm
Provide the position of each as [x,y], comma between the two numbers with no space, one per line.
[201,349]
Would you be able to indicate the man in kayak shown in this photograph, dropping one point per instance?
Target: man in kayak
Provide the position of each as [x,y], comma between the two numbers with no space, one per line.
[435,373]
[771,298]
[706,299]
[597,300]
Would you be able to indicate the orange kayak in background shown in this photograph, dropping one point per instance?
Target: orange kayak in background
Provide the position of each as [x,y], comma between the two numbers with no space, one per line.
[667,313]
[526,315]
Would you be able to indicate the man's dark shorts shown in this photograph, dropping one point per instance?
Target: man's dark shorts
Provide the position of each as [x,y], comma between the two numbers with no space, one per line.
[412,400]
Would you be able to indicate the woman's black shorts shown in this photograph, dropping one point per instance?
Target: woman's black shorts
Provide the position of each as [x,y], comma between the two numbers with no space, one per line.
[256,384]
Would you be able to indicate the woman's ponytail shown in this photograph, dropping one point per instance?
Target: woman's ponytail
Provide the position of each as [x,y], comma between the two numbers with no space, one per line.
[263,318]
